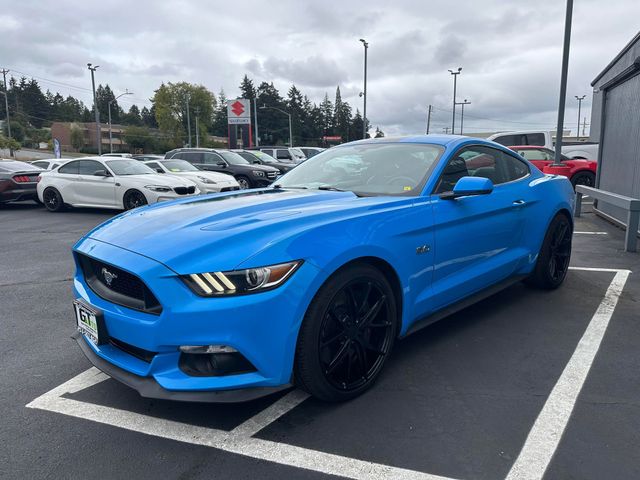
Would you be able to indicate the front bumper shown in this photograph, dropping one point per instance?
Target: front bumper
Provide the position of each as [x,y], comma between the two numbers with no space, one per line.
[147,387]
[263,327]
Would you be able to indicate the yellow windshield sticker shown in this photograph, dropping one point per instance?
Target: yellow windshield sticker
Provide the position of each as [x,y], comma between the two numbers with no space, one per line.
[406,189]
[174,169]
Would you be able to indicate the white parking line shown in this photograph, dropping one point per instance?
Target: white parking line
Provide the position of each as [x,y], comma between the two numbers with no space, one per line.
[591,233]
[545,436]
[532,462]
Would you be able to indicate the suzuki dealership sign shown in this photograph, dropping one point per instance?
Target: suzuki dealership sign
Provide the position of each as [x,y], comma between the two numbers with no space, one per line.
[238,112]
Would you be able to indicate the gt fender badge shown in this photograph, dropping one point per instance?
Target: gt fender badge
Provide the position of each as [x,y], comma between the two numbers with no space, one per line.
[422,249]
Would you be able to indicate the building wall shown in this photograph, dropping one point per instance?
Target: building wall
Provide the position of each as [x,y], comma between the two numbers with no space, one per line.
[62,131]
[616,126]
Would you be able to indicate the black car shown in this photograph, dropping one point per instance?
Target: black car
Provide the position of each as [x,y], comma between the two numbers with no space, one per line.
[261,158]
[246,173]
[18,181]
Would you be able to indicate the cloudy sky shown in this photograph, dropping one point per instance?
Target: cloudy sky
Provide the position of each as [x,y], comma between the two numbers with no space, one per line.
[510,51]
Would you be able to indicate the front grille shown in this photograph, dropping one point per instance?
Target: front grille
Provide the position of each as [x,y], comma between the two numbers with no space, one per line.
[139,353]
[229,189]
[124,288]
[272,175]
[185,190]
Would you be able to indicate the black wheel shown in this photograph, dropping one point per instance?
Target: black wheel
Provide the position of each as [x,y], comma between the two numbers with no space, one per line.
[347,334]
[243,182]
[53,200]
[584,178]
[133,199]
[553,259]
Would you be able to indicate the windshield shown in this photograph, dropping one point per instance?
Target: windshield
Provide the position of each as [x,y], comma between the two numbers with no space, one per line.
[368,169]
[179,166]
[128,167]
[265,157]
[233,158]
[297,152]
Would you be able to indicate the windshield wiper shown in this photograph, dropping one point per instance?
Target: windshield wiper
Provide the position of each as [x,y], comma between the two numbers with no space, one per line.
[330,188]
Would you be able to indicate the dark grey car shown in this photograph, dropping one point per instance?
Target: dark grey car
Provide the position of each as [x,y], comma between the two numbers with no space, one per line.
[18,181]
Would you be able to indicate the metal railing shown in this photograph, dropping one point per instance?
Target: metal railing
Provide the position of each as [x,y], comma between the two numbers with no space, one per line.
[631,205]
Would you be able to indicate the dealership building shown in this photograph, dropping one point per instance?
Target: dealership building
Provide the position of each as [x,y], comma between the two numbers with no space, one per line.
[615,125]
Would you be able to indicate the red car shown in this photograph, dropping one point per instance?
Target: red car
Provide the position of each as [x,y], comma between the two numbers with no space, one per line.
[583,172]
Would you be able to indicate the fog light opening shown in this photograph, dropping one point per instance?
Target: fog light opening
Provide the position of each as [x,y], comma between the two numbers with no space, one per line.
[207,349]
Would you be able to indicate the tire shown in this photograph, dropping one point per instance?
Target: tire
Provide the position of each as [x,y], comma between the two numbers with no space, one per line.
[347,334]
[555,254]
[583,178]
[133,199]
[243,182]
[52,200]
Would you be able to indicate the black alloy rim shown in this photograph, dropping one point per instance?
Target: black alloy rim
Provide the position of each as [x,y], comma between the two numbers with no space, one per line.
[51,199]
[356,334]
[244,184]
[560,251]
[585,180]
[135,200]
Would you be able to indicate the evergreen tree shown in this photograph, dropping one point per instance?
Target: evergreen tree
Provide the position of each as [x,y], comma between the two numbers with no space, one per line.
[219,126]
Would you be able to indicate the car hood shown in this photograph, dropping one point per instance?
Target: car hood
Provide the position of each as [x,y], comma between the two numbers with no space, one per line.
[215,176]
[218,232]
[155,179]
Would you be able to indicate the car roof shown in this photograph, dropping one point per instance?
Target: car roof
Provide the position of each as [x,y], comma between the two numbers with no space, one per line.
[528,147]
[433,139]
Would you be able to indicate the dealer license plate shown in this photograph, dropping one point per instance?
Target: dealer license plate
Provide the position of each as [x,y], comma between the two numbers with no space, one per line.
[87,321]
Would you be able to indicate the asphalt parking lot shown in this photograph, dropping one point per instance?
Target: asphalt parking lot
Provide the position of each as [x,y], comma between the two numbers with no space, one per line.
[484,394]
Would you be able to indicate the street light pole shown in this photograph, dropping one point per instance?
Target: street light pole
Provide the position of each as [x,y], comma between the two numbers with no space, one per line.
[255,117]
[579,107]
[126,92]
[188,122]
[563,83]
[6,106]
[364,107]
[95,106]
[264,106]
[462,113]
[197,112]
[455,74]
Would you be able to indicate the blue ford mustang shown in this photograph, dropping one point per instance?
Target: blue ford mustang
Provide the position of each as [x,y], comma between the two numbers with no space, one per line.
[231,296]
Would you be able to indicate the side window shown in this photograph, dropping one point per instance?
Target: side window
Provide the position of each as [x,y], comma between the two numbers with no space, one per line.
[534,139]
[89,167]
[506,140]
[513,169]
[282,153]
[191,157]
[70,168]
[268,151]
[155,166]
[480,161]
[211,158]
[40,164]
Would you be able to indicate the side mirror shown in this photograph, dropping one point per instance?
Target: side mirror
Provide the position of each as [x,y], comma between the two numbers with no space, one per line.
[221,164]
[101,173]
[469,186]
[159,170]
[256,162]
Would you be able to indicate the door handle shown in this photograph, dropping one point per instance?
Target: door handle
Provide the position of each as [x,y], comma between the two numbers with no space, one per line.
[519,203]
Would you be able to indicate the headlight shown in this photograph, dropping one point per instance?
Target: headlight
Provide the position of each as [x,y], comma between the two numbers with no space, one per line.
[258,173]
[205,180]
[158,188]
[239,282]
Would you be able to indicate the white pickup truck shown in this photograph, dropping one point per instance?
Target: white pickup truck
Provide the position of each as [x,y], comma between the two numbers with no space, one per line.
[585,150]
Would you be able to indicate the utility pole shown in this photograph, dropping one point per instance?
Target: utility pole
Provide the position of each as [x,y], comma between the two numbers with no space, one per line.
[563,83]
[188,123]
[579,107]
[126,92]
[584,126]
[428,119]
[364,108]
[255,121]
[6,106]
[95,106]
[455,74]
[446,130]
[462,115]
[197,112]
